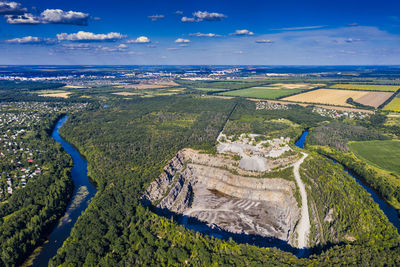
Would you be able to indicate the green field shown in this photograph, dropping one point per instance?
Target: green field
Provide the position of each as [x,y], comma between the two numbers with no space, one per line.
[394,105]
[262,93]
[211,89]
[382,154]
[367,87]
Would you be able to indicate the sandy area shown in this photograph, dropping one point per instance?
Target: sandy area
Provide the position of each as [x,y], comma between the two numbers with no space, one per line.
[75,86]
[374,99]
[63,95]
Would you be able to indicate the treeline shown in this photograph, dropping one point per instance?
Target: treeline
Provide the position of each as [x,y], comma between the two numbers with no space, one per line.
[345,213]
[31,212]
[382,182]
[338,134]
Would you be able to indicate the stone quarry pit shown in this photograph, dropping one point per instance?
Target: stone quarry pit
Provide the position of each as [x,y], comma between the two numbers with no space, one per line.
[232,194]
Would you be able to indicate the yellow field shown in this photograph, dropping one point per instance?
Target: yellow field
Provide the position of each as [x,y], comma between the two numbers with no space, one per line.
[367,87]
[63,95]
[394,105]
[327,96]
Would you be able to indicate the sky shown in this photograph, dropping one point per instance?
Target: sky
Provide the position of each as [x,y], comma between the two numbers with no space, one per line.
[184,32]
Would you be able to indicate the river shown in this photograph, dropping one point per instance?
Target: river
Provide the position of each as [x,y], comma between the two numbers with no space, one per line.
[82,195]
[389,211]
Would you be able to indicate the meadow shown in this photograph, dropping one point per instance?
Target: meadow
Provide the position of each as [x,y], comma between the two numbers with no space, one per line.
[382,154]
[262,93]
[367,87]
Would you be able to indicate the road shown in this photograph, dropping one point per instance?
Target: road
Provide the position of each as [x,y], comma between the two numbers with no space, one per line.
[303,228]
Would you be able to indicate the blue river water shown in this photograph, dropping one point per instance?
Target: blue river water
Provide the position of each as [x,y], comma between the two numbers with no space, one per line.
[82,195]
[389,211]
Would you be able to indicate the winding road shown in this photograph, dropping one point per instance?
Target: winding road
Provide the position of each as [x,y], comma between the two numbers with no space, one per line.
[303,228]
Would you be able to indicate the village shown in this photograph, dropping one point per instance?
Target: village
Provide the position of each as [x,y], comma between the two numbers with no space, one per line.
[22,152]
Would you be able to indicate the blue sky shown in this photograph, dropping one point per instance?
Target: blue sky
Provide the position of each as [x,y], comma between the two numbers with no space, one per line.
[206,32]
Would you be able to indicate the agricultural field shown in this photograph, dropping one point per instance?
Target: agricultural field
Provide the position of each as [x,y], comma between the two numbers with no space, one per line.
[61,94]
[382,154]
[339,97]
[394,105]
[374,99]
[262,93]
[304,86]
[367,87]
[211,89]
[148,85]
[150,92]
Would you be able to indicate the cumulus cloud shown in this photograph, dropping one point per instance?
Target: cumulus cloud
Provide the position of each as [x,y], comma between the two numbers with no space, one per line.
[264,41]
[31,40]
[11,8]
[58,16]
[156,17]
[242,32]
[50,16]
[181,40]
[204,15]
[27,18]
[186,19]
[179,12]
[139,40]
[199,34]
[83,36]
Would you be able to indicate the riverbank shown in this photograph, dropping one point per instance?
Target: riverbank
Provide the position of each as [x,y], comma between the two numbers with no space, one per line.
[82,195]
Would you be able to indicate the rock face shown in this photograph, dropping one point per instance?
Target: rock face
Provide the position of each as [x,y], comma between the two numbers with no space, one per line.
[214,190]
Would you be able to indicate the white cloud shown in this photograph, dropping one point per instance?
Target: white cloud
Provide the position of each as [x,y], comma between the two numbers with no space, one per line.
[139,40]
[11,8]
[179,12]
[181,40]
[156,17]
[31,40]
[204,15]
[199,34]
[242,32]
[27,18]
[264,41]
[186,19]
[89,36]
[58,16]
[301,28]
[50,16]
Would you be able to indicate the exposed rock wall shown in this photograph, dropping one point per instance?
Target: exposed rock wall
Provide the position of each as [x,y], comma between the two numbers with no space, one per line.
[205,187]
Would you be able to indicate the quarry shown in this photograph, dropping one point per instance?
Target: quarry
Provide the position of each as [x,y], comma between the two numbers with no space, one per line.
[239,190]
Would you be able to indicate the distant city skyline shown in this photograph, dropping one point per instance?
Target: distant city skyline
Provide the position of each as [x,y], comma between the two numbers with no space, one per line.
[179,32]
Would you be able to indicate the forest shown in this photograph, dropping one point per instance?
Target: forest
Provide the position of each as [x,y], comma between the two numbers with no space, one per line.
[127,145]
